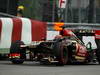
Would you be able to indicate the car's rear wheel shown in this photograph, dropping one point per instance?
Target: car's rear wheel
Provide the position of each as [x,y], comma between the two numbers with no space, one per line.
[17,61]
[17,54]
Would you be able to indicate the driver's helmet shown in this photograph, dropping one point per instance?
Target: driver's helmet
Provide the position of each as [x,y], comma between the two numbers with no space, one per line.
[66,32]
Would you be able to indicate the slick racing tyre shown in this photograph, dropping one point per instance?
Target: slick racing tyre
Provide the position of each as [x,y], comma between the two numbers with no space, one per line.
[17,61]
[98,55]
[61,53]
[98,50]
[15,49]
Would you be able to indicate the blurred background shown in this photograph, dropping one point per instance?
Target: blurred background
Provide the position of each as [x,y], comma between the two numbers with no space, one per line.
[54,10]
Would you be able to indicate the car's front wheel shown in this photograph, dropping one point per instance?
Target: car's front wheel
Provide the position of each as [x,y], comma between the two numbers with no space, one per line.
[61,53]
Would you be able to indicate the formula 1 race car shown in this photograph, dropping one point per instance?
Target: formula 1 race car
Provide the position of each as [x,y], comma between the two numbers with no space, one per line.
[65,48]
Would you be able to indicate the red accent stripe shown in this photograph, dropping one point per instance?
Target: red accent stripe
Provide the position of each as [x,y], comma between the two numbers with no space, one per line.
[0,28]
[17,29]
[97,34]
[14,54]
[38,30]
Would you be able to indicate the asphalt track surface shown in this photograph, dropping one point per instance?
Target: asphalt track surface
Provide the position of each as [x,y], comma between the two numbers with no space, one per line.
[33,68]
